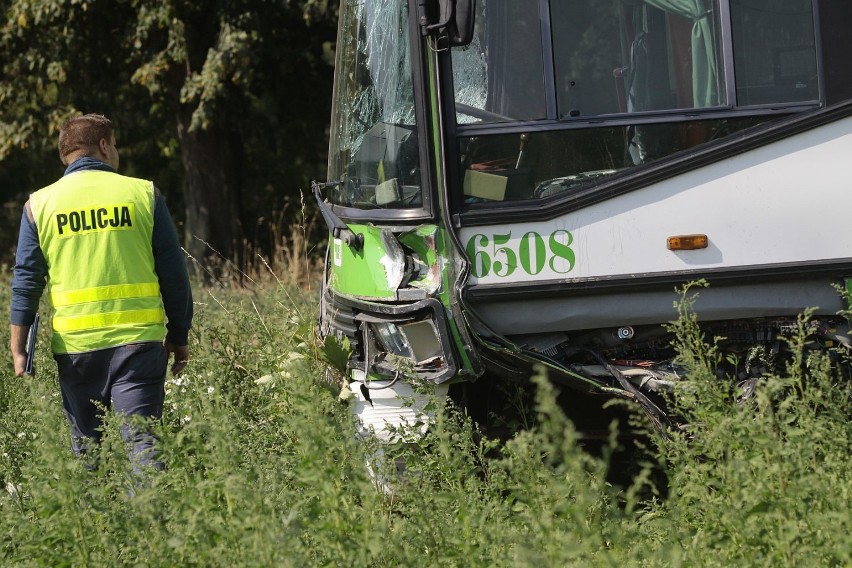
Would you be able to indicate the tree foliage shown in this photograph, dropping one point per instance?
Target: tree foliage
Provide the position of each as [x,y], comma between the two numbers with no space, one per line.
[223,103]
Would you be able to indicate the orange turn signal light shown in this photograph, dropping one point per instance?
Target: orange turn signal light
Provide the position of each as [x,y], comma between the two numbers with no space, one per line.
[687,242]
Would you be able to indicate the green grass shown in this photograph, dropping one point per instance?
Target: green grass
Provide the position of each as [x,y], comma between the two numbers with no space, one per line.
[264,469]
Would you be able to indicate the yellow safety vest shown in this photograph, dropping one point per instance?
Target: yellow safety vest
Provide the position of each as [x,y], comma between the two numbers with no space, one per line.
[94,228]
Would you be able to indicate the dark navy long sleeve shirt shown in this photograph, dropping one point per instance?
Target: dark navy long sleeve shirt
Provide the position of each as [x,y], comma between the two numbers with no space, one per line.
[30,274]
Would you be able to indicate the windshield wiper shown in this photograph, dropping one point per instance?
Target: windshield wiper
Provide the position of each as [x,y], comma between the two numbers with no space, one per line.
[339,229]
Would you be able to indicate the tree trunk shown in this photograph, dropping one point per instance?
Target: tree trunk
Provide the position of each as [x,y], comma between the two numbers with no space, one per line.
[212,232]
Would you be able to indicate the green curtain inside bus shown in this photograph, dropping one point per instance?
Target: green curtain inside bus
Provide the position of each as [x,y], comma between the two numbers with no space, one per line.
[705,80]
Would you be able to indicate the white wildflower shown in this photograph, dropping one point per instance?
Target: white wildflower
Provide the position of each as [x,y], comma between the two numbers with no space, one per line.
[292,358]
[265,380]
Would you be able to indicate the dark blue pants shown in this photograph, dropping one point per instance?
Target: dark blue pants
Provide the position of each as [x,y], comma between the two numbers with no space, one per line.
[130,379]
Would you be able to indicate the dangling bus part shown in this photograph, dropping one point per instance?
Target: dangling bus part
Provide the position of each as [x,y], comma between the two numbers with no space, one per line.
[520,183]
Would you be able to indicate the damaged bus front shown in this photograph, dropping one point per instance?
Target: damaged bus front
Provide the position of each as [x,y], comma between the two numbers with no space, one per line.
[513,183]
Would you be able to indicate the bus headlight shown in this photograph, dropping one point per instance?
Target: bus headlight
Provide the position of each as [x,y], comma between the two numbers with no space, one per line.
[411,340]
[417,341]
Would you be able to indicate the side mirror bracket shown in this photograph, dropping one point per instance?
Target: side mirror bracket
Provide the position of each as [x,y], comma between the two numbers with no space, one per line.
[339,229]
[453,21]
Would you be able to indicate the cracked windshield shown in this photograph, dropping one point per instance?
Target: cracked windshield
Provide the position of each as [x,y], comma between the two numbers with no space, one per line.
[373,144]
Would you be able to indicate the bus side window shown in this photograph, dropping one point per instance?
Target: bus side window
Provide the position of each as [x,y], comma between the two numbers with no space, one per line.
[774,51]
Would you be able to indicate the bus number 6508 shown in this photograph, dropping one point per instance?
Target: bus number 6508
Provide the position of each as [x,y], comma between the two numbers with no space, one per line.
[500,255]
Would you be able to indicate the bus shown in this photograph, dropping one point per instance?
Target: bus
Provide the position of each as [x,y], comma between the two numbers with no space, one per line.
[514,184]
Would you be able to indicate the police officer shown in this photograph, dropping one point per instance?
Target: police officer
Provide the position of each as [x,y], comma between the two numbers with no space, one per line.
[106,247]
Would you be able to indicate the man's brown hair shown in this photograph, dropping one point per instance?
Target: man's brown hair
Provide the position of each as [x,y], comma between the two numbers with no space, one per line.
[82,133]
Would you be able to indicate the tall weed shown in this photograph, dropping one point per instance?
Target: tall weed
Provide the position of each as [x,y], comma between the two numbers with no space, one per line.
[264,468]
[763,480]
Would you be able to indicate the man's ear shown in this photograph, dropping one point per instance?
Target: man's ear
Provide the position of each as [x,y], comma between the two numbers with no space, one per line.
[102,146]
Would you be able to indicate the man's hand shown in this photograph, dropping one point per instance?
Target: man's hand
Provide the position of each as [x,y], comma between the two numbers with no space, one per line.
[181,356]
[18,344]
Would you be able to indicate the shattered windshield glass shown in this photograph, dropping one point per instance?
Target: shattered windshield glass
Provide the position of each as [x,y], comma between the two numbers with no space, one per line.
[373,140]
